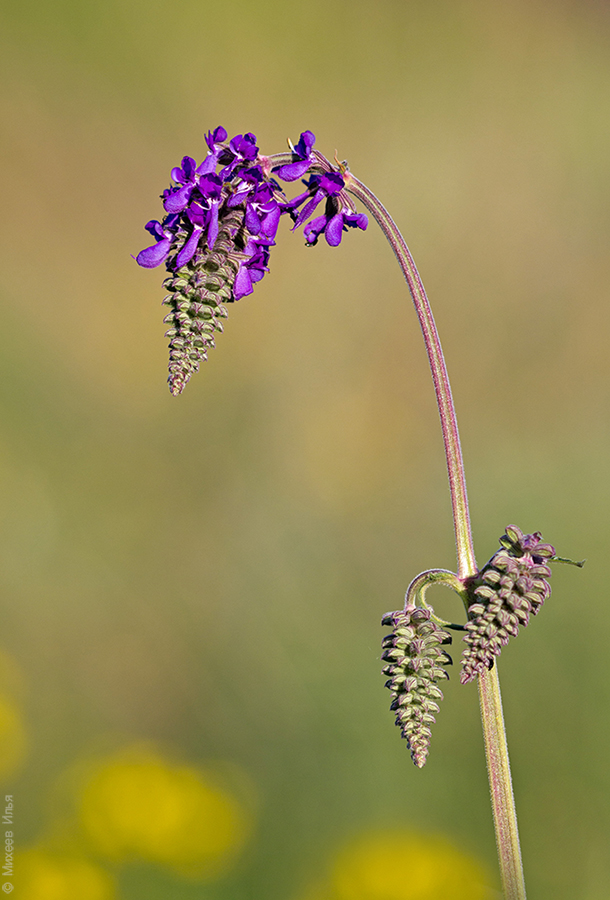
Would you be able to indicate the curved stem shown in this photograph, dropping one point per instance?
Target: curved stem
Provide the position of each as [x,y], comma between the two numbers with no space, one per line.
[492,718]
[416,592]
[457,483]
[496,749]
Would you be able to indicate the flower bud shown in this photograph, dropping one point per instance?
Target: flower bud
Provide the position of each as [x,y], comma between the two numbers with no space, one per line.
[416,660]
[512,586]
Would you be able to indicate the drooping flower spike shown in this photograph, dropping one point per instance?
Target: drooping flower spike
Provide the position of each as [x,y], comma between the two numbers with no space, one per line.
[220,226]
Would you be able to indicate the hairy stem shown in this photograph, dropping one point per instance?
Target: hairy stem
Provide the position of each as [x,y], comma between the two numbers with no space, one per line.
[501,786]
[457,482]
[494,733]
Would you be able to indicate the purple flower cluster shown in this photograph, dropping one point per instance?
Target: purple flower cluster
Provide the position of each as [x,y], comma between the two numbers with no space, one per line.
[222,220]
[195,204]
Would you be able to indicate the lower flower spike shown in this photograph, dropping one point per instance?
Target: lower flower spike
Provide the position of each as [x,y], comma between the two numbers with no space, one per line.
[510,587]
[415,662]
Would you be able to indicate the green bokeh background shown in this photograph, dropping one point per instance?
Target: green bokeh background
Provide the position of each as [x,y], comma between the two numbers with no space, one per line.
[209,572]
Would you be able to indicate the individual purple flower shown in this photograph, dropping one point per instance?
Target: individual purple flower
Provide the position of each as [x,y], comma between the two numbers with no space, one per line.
[202,215]
[177,199]
[163,234]
[303,149]
[253,268]
[319,187]
[185,173]
[332,226]
[242,148]
[259,250]
[247,182]
[215,141]
[189,175]
[263,212]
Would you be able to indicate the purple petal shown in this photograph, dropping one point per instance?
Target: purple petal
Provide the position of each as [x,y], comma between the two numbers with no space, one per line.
[314,229]
[154,256]
[213,226]
[309,208]
[243,188]
[254,174]
[210,186]
[178,200]
[208,165]
[265,193]
[243,284]
[334,230]
[252,220]
[293,170]
[270,223]
[153,227]
[188,251]
[331,183]
[188,167]
[244,146]
[257,274]
[215,137]
[169,222]
[305,144]
[178,175]
[356,220]
[197,214]
[251,152]
[237,198]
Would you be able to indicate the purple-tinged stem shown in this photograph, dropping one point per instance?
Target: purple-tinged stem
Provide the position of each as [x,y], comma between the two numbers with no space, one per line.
[501,785]
[457,482]
[492,718]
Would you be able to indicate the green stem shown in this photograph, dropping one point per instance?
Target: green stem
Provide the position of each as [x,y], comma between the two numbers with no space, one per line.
[501,786]
[416,592]
[494,733]
[457,482]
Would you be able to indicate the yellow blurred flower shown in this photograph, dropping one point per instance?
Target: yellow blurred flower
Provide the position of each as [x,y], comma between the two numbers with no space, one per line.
[12,737]
[137,805]
[403,865]
[41,875]
[13,740]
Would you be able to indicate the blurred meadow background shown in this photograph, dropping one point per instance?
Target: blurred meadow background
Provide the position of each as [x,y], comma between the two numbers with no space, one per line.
[191,703]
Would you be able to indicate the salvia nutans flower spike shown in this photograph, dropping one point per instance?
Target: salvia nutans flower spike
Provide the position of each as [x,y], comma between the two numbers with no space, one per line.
[500,598]
[220,226]
[415,663]
[508,589]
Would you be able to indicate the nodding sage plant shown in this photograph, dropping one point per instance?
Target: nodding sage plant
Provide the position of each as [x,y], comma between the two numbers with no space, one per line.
[221,221]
